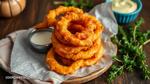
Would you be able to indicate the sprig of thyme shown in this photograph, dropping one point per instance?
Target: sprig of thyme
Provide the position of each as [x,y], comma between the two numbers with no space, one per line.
[130,55]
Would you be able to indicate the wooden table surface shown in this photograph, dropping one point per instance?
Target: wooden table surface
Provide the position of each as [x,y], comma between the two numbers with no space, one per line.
[35,11]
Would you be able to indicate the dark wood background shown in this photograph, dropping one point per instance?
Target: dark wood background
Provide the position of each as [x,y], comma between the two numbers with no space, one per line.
[36,10]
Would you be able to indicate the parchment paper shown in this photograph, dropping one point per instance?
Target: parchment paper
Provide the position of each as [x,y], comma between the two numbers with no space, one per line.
[29,63]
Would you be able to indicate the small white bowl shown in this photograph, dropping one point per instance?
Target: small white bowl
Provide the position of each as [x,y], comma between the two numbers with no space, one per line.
[38,47]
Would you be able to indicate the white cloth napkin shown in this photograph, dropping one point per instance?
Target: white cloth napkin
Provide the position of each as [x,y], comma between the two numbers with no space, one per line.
[6,45]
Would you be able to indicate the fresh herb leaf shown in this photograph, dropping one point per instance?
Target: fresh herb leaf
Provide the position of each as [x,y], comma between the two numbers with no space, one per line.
[83,4]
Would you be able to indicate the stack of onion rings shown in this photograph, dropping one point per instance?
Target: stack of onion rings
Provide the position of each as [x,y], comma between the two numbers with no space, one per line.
[76,39]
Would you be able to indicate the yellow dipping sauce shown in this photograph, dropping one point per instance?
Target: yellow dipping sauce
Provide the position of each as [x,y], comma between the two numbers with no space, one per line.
[124,6]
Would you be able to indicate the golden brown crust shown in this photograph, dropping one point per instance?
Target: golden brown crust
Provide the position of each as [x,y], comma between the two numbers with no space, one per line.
[55,66]
[75,53]
[76,39]
[51,18]
[92,29]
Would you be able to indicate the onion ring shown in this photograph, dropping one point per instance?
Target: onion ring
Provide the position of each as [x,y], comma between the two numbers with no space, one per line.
[55,66]
[92,25]
[79,53]
[87,62]
[65,48]
[95,58]
[52,16]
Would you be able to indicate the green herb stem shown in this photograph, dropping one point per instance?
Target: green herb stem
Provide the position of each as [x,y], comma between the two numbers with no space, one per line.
[137,24]
[144,43]
[118,60]
[134,33]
